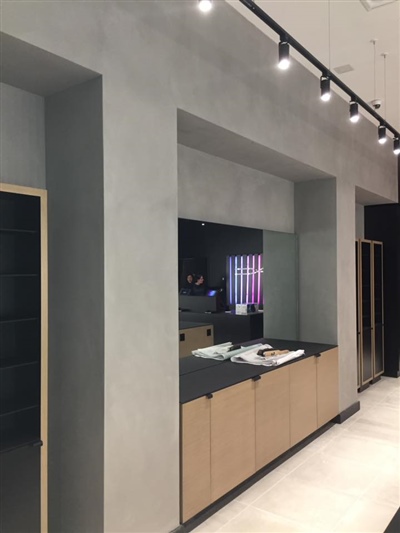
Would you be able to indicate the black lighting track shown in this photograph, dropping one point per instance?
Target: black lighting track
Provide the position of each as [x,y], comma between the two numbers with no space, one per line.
[285,36]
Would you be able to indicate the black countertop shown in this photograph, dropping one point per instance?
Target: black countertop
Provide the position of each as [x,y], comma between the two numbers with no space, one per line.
[189,325]
[199,376]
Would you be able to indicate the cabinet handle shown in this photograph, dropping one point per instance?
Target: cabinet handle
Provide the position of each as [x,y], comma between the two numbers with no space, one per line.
[38,443]
[256,378]
[317,355]
[209,395]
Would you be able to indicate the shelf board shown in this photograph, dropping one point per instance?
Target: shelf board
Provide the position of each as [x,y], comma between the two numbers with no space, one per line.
[13,320]
[17,407]
[14,362]
[8,275]
[17,231]
[15,441]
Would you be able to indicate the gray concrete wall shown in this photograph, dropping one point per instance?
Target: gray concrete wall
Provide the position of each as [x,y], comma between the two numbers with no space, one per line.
[359,221]
[156,57]
[22,147]
[74,148]
[280,285]
[346,293]
[216,190]
[315,225]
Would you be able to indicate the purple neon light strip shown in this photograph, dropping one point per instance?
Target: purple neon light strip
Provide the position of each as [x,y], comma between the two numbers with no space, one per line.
[253,279]
[247,280]
[236,278]
[259,278]
[241,280]
[230,279]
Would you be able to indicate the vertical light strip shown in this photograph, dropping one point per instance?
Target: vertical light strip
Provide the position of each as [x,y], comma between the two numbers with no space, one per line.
[230,279]
[241,279]
[236,281]
[247,280]
[259,279]
[253,278]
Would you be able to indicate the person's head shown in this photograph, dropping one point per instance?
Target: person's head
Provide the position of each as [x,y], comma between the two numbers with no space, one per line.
[189,278]
[199,280]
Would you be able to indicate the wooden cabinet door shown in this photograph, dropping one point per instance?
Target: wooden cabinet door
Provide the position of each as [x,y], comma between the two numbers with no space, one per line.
[232,437]
[327,386]
[272,416]
[303,399]
[195,457]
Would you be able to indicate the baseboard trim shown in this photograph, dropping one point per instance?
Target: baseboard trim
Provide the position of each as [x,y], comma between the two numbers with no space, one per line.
[347,413]
[234,493]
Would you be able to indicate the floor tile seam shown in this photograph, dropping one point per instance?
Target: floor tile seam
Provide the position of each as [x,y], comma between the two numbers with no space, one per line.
[351,460]
[343,514]
[246,506]
[282,517]
[266,490]
[370,438]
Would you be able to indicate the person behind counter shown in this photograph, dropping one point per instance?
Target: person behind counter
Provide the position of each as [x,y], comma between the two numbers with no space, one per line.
[189,282]
[199,286]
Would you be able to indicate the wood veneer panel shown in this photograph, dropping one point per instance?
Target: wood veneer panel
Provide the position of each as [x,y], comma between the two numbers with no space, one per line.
[327,386]
[303,399]
[272,416]
[232,437]
[195,449]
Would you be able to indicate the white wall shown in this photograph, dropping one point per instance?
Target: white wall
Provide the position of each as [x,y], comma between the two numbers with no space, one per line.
[22,148]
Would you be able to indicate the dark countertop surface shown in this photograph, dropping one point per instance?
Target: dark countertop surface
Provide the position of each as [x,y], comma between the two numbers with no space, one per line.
[199,376]
[189,325]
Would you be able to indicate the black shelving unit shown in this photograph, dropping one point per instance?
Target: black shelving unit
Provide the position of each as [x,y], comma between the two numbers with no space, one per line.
[21,358]
[370,325]
[382,222]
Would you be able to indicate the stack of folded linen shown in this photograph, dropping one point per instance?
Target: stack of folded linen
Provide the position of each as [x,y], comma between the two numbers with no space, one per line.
[252,357]
[226,350]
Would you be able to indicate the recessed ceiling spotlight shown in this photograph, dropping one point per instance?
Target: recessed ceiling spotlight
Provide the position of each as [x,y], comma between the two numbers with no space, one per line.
[205,5]
[382,134]
[354,114]
[325,84]
[284,55]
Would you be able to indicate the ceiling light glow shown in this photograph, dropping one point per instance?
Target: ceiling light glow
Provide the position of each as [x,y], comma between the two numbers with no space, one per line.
[382,134]
[354,114]
[205,5]
[325,84]
[284,55]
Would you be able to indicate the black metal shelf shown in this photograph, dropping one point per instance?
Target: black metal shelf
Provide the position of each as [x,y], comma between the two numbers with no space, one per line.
[18,231]
[11,275]
[14,320]
[19,440]
[16,362]
[17,407]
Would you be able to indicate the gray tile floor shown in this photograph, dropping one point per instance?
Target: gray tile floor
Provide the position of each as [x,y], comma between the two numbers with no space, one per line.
[348,480]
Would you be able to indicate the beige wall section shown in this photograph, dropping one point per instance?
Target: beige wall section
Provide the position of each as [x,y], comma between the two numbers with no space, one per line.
[155,58]
[22,148]
[217,190]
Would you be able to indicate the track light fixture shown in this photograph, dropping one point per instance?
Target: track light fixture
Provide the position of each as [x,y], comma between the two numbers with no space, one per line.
[382,134]
[354,114]
[287,41]
[284,55]
[205,5]
[325,84]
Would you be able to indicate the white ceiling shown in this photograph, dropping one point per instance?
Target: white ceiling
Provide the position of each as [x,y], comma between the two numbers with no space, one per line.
[352,28]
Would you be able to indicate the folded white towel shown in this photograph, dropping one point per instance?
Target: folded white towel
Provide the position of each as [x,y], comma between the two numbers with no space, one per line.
[252,358]
[221,352]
